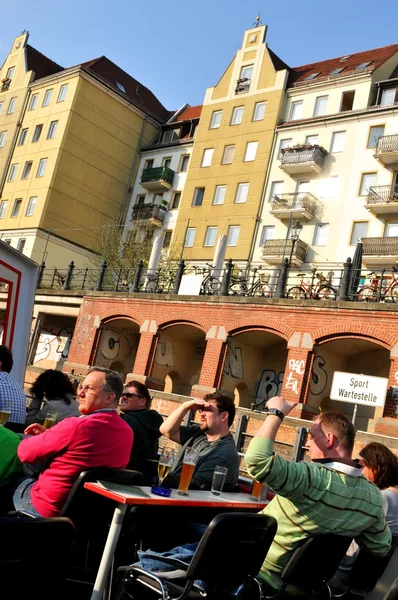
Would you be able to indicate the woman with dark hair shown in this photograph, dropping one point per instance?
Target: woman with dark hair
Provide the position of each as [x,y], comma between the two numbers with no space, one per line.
[52,391]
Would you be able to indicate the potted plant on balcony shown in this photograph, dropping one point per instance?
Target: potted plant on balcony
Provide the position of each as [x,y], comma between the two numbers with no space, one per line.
[163,205]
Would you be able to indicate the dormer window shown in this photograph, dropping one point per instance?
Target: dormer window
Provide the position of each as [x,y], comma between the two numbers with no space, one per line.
[312,76]
[363,65]
[343,58]
[121,87]
[336,71]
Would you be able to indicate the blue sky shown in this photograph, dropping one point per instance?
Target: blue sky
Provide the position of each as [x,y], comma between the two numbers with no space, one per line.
[178,48]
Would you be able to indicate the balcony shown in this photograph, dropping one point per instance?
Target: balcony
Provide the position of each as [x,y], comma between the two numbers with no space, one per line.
[5,84]
[151,213]
[383,199]
[387,150]
[273,251]
[380,251]
[159,179]
[242,86]
[303,159]
[301,206]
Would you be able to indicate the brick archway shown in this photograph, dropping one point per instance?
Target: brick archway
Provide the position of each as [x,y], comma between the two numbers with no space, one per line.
[370,334]
[272,326]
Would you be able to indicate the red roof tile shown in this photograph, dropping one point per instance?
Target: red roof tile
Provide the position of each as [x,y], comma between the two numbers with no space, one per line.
[40,64]
[191,112]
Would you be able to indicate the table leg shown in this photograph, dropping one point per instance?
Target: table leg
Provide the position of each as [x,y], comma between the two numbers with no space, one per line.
[109,550]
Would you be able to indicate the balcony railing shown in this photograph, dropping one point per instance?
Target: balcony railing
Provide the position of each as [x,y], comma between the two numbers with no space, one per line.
[292,202]
[146,212]
[275,248]
[242,85]
[158,174]
[5,84]
[387,144]
[303,154]
[382,194]
[380,246]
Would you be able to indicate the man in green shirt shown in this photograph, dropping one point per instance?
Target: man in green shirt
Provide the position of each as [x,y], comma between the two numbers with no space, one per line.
[327,495]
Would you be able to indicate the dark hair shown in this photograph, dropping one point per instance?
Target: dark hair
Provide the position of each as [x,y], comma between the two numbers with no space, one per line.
[341,426]
[224,404]
[382,462]
[113,382]
[6,359]
[142,390]
[54,385]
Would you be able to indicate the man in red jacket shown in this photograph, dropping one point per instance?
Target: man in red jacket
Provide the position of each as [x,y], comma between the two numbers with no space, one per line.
[99,438]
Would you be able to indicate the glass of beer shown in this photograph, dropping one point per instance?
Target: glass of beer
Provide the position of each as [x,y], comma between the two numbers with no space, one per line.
[165,463]
[257,491]
[4,416]
[188,466]
[50,419]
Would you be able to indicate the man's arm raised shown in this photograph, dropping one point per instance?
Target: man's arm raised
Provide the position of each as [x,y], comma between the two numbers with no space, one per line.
[270,426]
[170,428]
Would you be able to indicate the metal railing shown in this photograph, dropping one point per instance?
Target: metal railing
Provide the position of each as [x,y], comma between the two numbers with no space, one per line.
[275,248]
[242,85]
[143,212]
[387,143]
[303,200]
[158,174]
[380,246]
[303,154]
[382,194]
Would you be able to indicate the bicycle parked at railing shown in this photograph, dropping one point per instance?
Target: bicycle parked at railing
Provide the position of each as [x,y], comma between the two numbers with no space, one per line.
[210,285]
[255,284]
[321,290]
[379,287]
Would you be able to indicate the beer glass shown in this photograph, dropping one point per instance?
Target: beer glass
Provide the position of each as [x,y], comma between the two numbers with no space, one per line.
[188,466]
[258,491]
[50,419]
[4,416]
[165,463]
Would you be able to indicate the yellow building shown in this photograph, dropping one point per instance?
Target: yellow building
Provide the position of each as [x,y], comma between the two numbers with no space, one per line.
[225,181]
[69,152]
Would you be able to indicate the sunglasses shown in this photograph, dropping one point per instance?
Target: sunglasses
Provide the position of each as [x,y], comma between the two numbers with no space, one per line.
[131,395]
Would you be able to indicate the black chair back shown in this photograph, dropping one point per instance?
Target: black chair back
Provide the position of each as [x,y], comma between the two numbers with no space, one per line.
[35,556]
[392,593]
[367,569]
[147,466]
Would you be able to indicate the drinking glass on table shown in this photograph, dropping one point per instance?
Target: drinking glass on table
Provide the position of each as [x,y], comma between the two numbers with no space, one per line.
[165,463]
[219,477]
[259,491]
[188,466]
[4,416]
[50,419]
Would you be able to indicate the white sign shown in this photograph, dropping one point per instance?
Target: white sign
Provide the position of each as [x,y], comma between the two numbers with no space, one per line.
[359,389]
[190,285]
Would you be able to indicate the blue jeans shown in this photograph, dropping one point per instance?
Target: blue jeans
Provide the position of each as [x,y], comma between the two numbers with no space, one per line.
[22,500]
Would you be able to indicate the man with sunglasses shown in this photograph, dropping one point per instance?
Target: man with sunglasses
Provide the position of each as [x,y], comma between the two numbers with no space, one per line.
[135,404]
[211,437]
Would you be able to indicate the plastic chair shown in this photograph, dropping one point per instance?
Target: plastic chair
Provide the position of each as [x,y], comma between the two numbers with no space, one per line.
[228,557]
[392,593]
[147,466]
[35,556]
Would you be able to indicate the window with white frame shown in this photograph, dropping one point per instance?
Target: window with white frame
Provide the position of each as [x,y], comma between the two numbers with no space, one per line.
[246,72]
[119,86]
[12,105]
[216,119]
[167,162]
[321,105]
[233,235]
[338,141]
[276,190]
[176,200]
[62,92]
[13,172]
[52,130]
[259,111]
[241,193]
[27,169]
[210,237]
[287,143]
[391,229]
[198,196]
[1,108]
[251,151]
[359,230]
[347,101]
[21,244]
[237,115]
[42,167]
[321,234]
[17,207]
[375,133]
[3,137]
[219,194]
[207,157]
[184,163]
[228,155]
[31,206]
[388,97]
[368,180]
[296,110]
[189,237]
[37,133]
[149,163]
[267,233]
[23,136]
[3,208]
[10,73]
[312,140]
[33,101]
[47,97]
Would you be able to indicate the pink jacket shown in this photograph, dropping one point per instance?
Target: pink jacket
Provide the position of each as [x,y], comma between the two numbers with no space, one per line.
[101,439]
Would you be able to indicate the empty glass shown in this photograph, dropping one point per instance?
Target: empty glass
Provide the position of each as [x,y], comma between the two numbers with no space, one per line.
[219,476]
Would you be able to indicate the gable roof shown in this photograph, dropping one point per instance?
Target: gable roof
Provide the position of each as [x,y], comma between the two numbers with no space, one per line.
[278,63]
[189,113]
[40,64]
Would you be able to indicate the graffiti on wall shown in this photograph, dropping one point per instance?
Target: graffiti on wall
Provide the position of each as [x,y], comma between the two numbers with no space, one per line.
[234,363]
[53,344]
[319,376]
[116,349]
[164,354]
[269,385]
[296,370]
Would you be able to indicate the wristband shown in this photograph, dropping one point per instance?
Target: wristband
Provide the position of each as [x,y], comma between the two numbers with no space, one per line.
[276,412]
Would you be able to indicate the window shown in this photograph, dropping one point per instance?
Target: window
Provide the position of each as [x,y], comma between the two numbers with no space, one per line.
[210,238]
[347,101]
[184,163]
[237,115]
[367,180]
[189,237]
[321,104]
[336,71]
[31,206]
[119,85]
[3,137]
[251,150]
[1,107]
[295,110]
[363,65]
[216,119]
[241,193]
[259,111]
[338,140]
[312,140]
[284,144]
[33,101]
[42,167]
[167,239]
[16,208]
[228,155]
[149,164]
[198,196]
[207,157]
[167,163]
[170,135]
[246,72]
[303,186]
[276,190]
[11,106]
[21,244]
[47,97]
[312,76]
[219,194]
[391,230]
[267,233]
[3,208]
[8,242]
[23,136]
[37,133]
[375,133]
[27,169]
[64,88]
[321,234]
[140,200]
[13,172]
[388,97]
[233,235]
[52,130]
[10,73]
[176,200]
[359,230]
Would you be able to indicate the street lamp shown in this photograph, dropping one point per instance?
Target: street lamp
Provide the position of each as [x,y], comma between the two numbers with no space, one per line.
[294,236]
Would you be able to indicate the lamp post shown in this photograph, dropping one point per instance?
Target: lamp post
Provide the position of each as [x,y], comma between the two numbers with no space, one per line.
[294,236]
